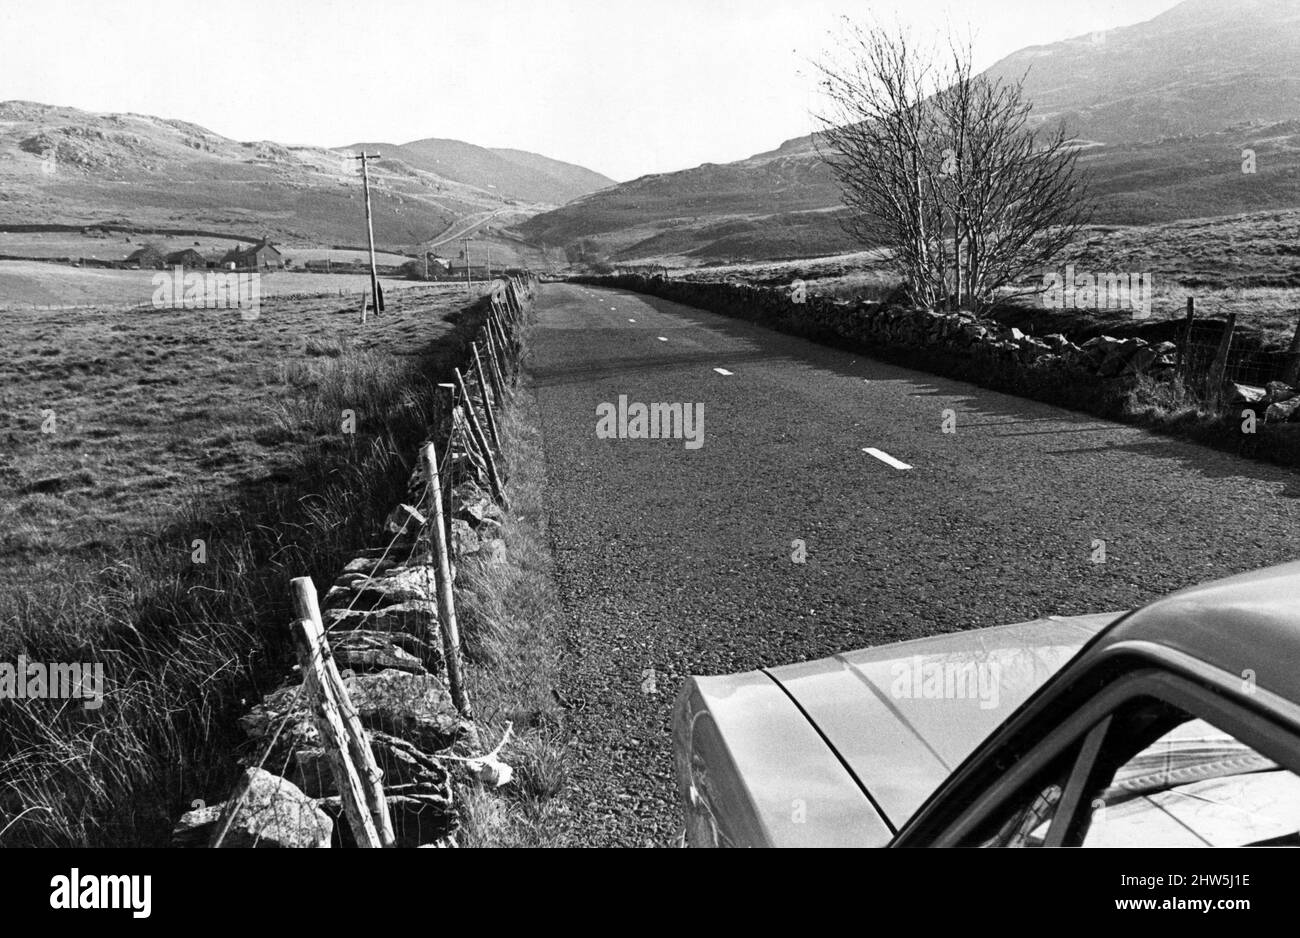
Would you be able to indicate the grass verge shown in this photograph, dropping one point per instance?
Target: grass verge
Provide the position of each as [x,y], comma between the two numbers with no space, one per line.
[509,614]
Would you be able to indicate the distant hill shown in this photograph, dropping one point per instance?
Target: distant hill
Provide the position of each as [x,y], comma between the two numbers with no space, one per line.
[1165,109]
[1196,69]
[61,165]
[513,174]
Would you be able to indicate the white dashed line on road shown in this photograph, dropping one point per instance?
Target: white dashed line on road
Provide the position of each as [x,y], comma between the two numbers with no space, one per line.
[885,458]
[722,371]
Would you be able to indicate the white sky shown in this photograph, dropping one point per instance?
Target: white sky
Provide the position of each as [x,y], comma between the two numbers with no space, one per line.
[625,88]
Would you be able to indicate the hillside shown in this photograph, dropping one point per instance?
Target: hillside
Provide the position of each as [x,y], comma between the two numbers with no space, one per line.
[61,165]
[1201,67]
[512,174]
[1164,136]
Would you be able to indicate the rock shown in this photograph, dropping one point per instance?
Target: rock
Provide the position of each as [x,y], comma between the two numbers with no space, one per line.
[1032,349]
[413,707]
[1140,361]
[364,651]
[398,585]
[418,617]
[1283,411]
[478,508]
[1056,341]
[268,811]
[262,721]
[1101,348]
[196,828]
[463,539]
[1279,392]
[1119,356]
[1244,393]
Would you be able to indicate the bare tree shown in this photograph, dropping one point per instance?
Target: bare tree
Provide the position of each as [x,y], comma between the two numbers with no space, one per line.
[942,168]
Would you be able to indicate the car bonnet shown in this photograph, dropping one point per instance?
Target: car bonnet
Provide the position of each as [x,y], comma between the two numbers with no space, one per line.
[903,717]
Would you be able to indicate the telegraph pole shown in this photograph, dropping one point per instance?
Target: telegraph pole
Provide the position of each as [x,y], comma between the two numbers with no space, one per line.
[370,231]
[469,276]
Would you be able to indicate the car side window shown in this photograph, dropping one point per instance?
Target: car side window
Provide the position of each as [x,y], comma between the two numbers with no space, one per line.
[1165,778]
[1023,820]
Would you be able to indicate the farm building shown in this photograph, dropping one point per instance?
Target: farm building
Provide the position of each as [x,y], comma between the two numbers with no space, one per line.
[146,258]
[260,256]
[186,258]
[456,271]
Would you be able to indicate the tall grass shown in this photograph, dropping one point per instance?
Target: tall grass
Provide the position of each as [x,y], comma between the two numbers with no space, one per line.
[187,646]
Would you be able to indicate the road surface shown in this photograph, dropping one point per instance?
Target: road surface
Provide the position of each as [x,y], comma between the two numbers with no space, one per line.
[672,561]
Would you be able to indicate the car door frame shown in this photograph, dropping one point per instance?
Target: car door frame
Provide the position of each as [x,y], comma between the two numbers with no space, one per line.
[1072,712]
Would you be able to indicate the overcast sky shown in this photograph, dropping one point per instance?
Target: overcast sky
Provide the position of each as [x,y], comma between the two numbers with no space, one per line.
[623,88]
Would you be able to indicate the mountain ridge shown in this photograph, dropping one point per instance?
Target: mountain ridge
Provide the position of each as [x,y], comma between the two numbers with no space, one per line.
[1168,132]
[64,165]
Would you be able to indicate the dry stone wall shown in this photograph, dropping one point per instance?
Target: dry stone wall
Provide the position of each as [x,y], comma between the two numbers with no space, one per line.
[381,620]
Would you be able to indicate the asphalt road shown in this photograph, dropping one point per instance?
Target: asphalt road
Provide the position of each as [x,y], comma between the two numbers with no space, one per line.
[680,561]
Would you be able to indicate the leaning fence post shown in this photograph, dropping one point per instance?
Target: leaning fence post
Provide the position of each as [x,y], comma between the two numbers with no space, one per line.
[498,375]
[488,403]
[498,491]
[446,604]
[356,774]
[498,334]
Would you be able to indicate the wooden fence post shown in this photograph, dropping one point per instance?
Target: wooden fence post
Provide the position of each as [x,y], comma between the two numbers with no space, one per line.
[497,375]
[356,774]
[446,604]
[498,491]
[498,333]
[489,400]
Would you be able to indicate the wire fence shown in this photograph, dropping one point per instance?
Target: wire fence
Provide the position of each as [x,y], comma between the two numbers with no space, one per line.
[488,389]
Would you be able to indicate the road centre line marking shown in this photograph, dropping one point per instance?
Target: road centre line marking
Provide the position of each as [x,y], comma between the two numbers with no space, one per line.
[885,458]
[722,371]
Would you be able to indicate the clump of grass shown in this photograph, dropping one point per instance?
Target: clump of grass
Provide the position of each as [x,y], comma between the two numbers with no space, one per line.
[1164,401]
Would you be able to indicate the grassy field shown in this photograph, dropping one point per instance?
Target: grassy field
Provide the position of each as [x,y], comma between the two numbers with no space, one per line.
[27,284]
[130,440]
